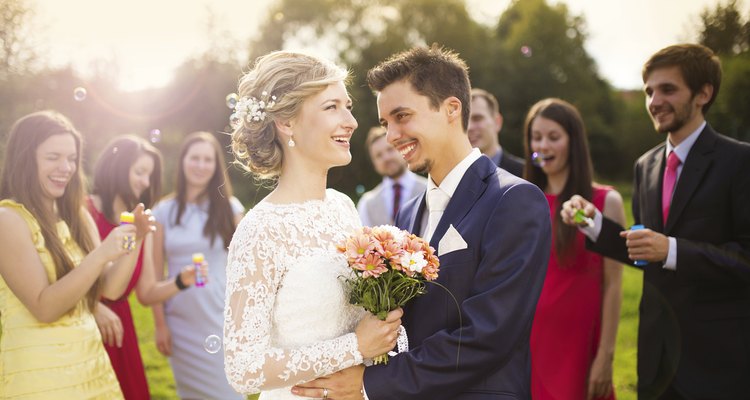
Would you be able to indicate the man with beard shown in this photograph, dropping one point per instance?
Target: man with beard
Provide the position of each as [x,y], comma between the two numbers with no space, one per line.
[380,205]
[485,124]
[691,194]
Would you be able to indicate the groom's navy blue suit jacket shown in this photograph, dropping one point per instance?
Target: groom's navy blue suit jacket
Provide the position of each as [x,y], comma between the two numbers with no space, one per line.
[496,280]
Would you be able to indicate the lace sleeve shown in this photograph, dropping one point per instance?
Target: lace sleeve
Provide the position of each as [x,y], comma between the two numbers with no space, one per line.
[254,273]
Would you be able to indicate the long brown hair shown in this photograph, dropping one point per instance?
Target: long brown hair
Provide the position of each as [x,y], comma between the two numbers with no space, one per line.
[580,171]
[220,220]
[20,182]
[112,174]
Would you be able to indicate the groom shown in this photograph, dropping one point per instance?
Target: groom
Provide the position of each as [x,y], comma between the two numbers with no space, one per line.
[492,233]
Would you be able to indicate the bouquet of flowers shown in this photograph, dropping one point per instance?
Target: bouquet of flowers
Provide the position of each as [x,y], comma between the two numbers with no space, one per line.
[390,268]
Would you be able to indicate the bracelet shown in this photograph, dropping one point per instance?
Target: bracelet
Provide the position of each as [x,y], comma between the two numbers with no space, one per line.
[179,283]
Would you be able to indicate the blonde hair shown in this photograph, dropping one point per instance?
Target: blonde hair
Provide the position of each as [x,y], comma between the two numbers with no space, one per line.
[292,77]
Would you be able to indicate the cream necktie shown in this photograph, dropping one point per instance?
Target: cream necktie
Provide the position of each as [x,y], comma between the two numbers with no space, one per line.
[437,200]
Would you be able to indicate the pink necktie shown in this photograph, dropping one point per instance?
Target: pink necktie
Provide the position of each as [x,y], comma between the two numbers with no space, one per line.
[670,178]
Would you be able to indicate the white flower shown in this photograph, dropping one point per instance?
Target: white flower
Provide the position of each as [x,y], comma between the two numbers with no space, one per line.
[252,109]
[413,261]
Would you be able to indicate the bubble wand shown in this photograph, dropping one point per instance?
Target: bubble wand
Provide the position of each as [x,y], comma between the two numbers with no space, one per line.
[580,218]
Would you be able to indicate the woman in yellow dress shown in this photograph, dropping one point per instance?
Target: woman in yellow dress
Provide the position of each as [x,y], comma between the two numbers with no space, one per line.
[53,267]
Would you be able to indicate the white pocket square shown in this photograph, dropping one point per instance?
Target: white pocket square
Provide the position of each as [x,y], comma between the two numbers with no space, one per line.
[451,241]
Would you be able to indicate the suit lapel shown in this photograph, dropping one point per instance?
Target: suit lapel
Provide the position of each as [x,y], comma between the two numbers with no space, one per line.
[655,171]
[472,186]
[415,221]
[694,168]
[416,188]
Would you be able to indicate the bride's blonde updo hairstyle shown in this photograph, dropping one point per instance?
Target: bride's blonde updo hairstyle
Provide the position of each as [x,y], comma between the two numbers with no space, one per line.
[277,86]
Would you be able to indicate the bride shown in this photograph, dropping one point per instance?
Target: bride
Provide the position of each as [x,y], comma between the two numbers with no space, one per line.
[287,318]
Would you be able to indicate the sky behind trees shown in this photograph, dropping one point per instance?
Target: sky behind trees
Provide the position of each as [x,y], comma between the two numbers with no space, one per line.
[142,41]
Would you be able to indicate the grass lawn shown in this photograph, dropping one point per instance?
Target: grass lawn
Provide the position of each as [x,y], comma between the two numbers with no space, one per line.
[161,382]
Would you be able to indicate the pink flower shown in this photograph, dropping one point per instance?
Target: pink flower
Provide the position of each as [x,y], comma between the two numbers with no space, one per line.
[382,235]
[430,272]
[370,265]
[392,251]
[428,250]
[358,245]
[413,244]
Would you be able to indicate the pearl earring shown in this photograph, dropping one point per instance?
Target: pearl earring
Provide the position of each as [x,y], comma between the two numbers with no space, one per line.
[291,143]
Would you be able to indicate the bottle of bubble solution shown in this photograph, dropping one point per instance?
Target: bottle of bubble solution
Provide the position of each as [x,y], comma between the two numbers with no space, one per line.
[639,263]
[198,263]
[127,218]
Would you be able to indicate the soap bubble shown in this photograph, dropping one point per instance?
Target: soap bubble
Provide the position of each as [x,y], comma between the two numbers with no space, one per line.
[79,94]
[154,135]
[538,159]
[526,51]
[212,344]
[235,120]
[232,100]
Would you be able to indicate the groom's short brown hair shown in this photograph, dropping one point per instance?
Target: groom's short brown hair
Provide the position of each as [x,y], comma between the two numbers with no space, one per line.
[436,73]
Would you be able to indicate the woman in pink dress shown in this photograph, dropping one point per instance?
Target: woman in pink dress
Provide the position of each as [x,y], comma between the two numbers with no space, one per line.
[575,325]
[128,172]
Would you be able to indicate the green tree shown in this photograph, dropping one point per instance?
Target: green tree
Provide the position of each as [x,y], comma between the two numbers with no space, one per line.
[17,58]
[724,30]
[17,54]
[535,51]
[543,55]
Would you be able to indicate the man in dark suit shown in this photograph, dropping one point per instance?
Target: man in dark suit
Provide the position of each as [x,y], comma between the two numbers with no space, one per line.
[692,194]
[485,124]
[492,233]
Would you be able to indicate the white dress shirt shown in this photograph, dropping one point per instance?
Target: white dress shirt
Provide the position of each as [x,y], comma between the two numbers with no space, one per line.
[450,182]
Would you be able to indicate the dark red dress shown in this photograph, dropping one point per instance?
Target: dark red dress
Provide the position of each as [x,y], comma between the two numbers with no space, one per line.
[568,319]
[126,360]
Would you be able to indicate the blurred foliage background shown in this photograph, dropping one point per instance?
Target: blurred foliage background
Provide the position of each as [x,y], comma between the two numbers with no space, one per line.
[534,50]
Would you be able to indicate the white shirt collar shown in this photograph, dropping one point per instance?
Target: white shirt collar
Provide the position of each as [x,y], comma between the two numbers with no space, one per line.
[683,148]
[451,181]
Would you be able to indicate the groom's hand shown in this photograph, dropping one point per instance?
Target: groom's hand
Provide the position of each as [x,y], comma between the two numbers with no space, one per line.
[343,385]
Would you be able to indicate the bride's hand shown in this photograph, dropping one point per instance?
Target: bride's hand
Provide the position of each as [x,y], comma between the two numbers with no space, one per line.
[376,337]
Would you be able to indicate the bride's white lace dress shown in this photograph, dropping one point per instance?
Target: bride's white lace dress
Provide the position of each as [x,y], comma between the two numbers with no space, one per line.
[287,318]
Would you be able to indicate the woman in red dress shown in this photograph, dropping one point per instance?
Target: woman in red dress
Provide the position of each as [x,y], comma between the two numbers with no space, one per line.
[128,172]
[575,325]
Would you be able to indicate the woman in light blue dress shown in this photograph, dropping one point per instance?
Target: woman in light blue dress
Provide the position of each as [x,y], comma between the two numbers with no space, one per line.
[199,217]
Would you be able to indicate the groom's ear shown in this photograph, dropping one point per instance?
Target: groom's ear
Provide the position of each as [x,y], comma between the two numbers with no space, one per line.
[452,108]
